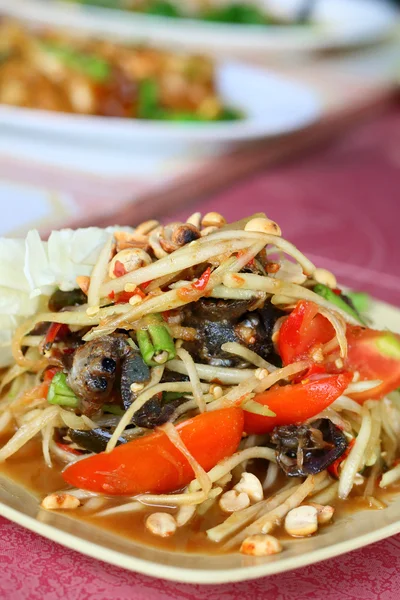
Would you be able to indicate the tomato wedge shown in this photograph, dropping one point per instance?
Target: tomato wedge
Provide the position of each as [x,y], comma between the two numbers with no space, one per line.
[302,330]
[375,355]
[296,403]
[153,464]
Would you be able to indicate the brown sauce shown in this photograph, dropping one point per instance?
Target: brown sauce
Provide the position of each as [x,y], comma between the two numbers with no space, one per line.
[27,468]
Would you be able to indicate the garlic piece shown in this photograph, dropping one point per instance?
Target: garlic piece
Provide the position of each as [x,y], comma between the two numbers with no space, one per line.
[302,521]
[263,225]
[250,485]
[216,391]
[260,545]
[60,502]
[261,373]
[233,501]
[161,524]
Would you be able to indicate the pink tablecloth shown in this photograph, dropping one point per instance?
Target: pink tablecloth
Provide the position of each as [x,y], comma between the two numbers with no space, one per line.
[341,206]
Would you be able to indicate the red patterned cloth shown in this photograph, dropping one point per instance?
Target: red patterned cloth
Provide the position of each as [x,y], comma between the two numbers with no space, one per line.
[341,206]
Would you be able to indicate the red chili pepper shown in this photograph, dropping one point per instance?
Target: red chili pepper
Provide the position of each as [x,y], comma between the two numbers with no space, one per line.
[55,329]
[67,448]
[201,283]
[333,469]
[111,295]
[124,297]
[49,374]
[69,350]
[119,269]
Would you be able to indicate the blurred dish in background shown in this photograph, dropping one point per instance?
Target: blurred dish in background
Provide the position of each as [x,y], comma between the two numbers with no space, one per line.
[168,96]
[53,71]
[240,27]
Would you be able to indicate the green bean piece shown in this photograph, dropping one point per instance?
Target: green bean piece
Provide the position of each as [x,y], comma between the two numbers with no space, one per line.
[155,342]
[162,341]
[145,346]
[337,300]
[60,393]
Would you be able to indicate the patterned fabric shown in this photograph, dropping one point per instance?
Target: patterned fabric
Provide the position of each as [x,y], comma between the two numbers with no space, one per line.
[340,205]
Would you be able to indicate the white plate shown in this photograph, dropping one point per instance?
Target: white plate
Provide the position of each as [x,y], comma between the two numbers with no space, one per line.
[337,23]
[271,104]
[354,531]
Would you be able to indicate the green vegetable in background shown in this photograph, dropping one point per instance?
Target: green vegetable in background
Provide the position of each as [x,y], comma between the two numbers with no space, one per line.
[148,99]
[94,67]
[60,393]
[162,8]
[244,14]
[328,294]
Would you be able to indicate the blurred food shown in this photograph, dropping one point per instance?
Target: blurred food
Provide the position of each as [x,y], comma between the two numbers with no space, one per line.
[220,11]
[54,71]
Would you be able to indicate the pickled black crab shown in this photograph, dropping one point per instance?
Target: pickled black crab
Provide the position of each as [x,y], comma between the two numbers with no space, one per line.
[308,449]
[99,365]
[220,321]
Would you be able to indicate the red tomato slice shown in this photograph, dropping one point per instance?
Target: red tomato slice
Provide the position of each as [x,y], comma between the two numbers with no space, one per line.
[303,329]
[375,355]
[296,403]
[153,464]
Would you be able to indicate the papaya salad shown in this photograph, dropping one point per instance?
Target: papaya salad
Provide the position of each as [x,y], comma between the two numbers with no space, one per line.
[197,377]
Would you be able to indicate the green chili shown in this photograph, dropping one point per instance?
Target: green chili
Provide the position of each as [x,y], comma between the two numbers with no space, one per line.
[337,300]
[60,393]
[155,342]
